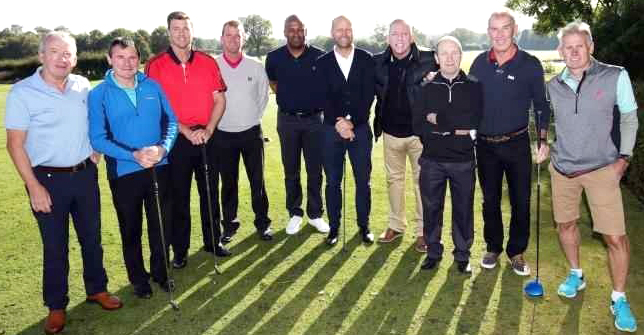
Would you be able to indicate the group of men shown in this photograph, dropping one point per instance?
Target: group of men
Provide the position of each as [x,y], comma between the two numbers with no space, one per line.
[194,114]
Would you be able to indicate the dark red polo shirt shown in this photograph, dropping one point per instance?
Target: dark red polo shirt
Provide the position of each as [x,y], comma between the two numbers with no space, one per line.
[189,86]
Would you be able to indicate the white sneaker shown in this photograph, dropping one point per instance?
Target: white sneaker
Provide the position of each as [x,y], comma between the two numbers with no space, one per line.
[293,225]
[320,225]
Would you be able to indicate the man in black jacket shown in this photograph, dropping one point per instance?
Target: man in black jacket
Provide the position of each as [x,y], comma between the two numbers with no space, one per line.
[399,72]
[446,119]
[348,78]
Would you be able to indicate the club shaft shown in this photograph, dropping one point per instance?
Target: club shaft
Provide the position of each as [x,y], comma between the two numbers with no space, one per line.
[168,270]
[206,168]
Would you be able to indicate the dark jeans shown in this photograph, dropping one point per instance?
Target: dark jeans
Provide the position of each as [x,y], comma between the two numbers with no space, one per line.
[249,144]
[360,155]
[130,193]
[77,194]
[186,159]
[433,181]
[302,135]
[512,158]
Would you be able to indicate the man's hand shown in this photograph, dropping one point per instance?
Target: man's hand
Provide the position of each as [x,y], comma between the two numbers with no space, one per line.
[620,166]
[39,197]
[344,127]
[429,76]
[189,134]
[143,157]
[542,153]
[155,152]
[201,136]
[431,118]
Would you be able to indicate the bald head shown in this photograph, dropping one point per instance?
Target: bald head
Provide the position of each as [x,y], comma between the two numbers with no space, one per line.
[342,32]
[400,38]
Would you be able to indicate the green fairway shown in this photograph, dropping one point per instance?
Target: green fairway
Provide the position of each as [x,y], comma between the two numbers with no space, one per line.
[298,285]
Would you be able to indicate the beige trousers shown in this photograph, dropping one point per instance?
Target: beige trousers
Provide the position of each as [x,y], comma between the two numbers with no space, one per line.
[397,151]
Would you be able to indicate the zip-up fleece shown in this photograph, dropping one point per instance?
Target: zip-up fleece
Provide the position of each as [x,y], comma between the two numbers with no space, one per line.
[117,128]
[584,119]
[458,105]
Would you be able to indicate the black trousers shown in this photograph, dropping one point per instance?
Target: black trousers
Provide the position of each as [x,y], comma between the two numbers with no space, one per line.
[302,135]
[514,160]
[75,194]
[185,160]
[130,194]
[249,144]
[433,181]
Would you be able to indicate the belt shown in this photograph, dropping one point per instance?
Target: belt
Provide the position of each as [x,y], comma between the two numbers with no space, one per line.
[576,173]
[449,133]
[504,137]
[53,169]
[302,112]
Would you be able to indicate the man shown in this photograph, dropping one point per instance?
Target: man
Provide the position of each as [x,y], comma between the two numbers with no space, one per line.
[399,71]
[512,82]
[446,120]
[239,132]
[47,139]
[349,87]
[292,75]
[585,158]
[194,86]
[132,123]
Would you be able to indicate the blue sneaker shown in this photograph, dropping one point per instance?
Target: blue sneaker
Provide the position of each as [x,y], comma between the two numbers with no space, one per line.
[624,318]
[571,286]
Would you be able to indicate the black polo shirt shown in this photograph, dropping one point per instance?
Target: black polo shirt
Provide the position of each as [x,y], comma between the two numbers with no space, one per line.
[298,87]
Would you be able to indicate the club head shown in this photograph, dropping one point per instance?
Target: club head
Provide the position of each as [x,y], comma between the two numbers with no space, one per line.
[534,288]
[174,305]
[217,271]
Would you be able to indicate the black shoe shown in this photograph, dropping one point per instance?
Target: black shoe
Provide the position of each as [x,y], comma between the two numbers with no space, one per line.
[464,267]
[220,251]
[166,285]
[265,235]
[230,229]
[430,263]
[332,238]
[367,236]
[179,262]
[143,291]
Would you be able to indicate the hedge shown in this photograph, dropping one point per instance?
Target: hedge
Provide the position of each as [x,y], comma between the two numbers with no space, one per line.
[92,65]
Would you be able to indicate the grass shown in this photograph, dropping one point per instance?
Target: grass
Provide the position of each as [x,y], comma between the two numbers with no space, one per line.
[297,285]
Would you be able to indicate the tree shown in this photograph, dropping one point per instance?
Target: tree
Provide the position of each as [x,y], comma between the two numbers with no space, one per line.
[323,42]
[159,39]
[95,38]
[419,37]
[42,31]
[258,35]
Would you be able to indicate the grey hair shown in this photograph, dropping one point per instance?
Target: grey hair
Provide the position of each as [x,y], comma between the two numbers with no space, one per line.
[575,27]
[63,35]
[452,39]
[504,12]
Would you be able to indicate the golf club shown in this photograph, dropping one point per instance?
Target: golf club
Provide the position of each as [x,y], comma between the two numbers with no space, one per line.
[344,201]
[168,269]
[534,288]
[206,169]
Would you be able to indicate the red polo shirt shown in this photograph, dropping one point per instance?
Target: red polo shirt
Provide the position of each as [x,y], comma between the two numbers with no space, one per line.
[189,86]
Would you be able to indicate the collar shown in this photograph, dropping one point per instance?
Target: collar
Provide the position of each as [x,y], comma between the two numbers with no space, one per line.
[414,53]
[232,63]
[40,81]
[491,56]
[304,52]
[339,56]
[566,75]
[461,76]
[176,59]
[110,75]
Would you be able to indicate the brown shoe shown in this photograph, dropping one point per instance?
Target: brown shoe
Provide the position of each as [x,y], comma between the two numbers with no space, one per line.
[55,321]
[389,235]
[106,300]
[420,246]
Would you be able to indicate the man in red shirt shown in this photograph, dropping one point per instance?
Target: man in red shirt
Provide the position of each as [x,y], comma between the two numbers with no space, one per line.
[195,88]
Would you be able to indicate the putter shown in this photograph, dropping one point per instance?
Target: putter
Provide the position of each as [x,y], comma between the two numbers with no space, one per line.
[168,269]
[534,288]
[206,169]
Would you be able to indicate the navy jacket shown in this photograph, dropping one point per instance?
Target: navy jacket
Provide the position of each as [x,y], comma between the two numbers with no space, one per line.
[353,96]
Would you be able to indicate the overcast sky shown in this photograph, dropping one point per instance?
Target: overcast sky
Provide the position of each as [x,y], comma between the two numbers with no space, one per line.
[431,17]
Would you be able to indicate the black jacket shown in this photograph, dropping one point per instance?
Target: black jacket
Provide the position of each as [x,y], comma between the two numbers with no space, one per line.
[353,96]
[458,105]
[421,62]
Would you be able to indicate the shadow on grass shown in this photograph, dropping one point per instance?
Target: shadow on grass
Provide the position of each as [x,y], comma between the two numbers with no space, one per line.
[443,308]
[508,314]
[332,317]
[285,319]
[90,319]
[392,310]
[570,324]
[477,302]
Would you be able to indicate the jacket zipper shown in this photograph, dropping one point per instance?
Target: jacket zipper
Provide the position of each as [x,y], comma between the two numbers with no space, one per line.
[578,92]
[185,77]
[449,88]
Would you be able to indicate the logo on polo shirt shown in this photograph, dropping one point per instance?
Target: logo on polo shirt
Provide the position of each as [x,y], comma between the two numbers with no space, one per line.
[250,78]
[511,77]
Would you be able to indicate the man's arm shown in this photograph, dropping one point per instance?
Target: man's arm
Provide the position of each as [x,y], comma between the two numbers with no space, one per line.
[263,84]
[203,135]
[38,194]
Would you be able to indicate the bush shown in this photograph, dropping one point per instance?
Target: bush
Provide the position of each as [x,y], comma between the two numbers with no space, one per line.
[92,65]
[635,174]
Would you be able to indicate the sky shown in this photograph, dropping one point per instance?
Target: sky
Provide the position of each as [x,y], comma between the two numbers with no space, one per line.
[430,17]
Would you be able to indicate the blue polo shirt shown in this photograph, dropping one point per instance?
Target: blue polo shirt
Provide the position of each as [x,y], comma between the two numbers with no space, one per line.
[298,87]
[56,122]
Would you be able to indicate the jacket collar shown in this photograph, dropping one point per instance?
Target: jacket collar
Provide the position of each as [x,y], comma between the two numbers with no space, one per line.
[414,53]
[109,78]
[565,73]
[461,76]
[176,59]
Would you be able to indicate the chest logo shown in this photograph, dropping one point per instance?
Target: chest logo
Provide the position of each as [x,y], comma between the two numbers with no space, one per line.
[511,77]
[250,78]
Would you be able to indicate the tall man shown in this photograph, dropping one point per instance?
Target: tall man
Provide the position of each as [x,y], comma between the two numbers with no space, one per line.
[132,123]
[399,71]
[446,118]
[349,87]
[47,139]
[512,82]
[240,132]
[585,158]
[194,86]
[292,75]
